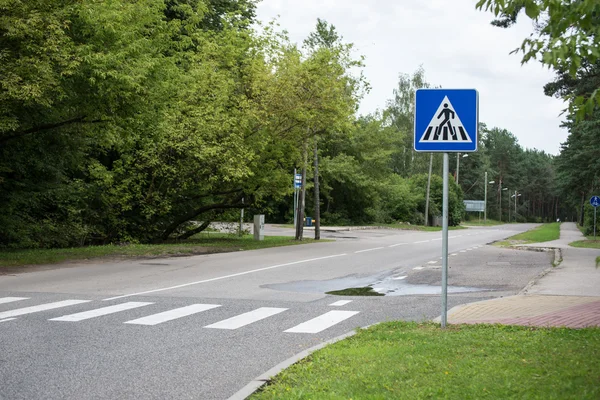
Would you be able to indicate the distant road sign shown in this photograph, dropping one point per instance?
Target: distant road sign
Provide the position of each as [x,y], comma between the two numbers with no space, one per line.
[595,201]
[298,181]
[446,120]
[474,205]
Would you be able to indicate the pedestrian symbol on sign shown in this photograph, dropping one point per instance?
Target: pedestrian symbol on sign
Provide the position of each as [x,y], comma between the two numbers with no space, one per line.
[445,126]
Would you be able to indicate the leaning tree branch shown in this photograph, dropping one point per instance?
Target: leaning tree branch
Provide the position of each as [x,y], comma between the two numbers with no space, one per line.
[45,127]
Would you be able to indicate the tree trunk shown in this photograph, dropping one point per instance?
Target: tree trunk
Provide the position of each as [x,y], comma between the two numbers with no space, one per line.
[317,215]
[582,209]
[302,197]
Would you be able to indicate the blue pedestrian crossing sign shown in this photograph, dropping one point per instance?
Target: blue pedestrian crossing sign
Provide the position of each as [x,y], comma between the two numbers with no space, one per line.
[595,201]
[446,120]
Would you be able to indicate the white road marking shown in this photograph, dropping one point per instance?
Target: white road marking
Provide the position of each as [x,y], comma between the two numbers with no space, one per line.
[397,244]
[247,318]
[432,262]
[399,278]
[225,277]
[41,307]
[363,251]
[170,315]
[322,322]
[454,254]
[7,319]
[462,251]
[453,237]
[98,312]
[470,249]
[418,268]
[422,241]
[437,239]
[340,303]
[4,300]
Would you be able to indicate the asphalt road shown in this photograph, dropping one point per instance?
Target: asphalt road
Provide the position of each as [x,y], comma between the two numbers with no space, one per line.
[202,327]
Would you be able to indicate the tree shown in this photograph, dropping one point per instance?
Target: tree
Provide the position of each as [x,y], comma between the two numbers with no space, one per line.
[567,36]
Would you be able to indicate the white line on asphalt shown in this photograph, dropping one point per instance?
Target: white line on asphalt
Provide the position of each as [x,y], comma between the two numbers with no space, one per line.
[224,277]
[399,278]
[437,239]
[7,319]
[4,300]
[170,315]
[432,262]
[247,318]
[340,303]
[462,251]
[422,241]
[397,244]
[322,322]
[363,251]
[453,237]
[417,268]
[454,254]
[42,307]
[98,312]
[470,249]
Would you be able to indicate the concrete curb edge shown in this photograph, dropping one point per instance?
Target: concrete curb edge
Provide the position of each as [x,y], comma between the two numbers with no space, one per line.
[257,382]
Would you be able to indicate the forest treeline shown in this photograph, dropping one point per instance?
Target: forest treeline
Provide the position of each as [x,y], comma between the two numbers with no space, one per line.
[143,121]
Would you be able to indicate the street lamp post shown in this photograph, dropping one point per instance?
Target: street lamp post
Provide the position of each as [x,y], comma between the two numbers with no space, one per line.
[515,196]
[500,190]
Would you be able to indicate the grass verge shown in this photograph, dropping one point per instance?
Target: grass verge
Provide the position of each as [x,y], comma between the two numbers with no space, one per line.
[587,244]
[597,261]
[404,360]
[361,291]
[202,243]
[543,233]
[489,222]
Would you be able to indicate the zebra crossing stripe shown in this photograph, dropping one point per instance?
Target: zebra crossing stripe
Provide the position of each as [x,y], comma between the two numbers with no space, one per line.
[98,312]
[247,318]
[4,300]
[170,315]
[322,322]
[42,307]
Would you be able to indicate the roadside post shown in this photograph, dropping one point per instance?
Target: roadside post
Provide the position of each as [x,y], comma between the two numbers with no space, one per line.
[595,201]
[446,121]
[259,227]
[297,185]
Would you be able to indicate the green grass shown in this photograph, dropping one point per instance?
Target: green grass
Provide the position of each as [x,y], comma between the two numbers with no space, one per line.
[416,227]
[202,243]
[489,222]
[597,261]
[543,233]
[404,360]
[362,291]
[588,244]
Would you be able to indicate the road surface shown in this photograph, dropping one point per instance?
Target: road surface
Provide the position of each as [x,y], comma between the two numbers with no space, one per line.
[202,327]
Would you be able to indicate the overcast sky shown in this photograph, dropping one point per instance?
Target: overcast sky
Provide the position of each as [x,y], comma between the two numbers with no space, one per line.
[455,44]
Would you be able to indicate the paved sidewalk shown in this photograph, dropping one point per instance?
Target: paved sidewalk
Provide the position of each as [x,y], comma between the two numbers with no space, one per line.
[567,295]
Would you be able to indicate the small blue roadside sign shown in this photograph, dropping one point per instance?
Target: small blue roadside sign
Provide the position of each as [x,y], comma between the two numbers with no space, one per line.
[298,181]
[446,120]
[595,201]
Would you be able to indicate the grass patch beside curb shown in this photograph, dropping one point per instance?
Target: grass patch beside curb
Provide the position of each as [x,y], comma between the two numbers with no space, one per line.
[203,243]
[543,233]
[587,244]
[404,360]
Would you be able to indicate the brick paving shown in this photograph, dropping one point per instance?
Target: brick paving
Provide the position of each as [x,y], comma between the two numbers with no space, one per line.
[584,314]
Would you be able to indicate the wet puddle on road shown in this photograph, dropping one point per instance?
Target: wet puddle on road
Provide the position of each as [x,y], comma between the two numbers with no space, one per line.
[387,284]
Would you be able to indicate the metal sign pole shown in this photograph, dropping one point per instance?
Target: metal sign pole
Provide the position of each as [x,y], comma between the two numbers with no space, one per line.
[445,244]
[295,199]
[595,223]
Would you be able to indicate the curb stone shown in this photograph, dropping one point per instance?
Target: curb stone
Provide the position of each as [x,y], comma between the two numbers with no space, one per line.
[259,381]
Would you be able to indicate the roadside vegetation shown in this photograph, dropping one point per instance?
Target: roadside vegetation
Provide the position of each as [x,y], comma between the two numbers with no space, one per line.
[543,233]
[406,360]
[489,222]
[200,244]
